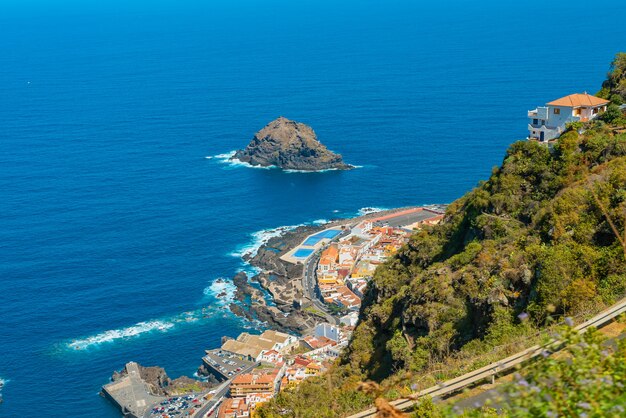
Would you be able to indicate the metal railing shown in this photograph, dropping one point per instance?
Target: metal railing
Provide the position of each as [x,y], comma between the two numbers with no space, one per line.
[454,385]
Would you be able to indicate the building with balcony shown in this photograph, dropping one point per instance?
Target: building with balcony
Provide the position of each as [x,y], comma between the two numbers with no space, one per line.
[548,122]
[256,382]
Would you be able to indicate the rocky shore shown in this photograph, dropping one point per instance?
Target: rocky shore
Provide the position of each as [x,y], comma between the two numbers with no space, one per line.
[160,384]
[290,145]
[275,295]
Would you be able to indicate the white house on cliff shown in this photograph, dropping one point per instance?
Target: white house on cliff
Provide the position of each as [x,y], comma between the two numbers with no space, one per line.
[548,122]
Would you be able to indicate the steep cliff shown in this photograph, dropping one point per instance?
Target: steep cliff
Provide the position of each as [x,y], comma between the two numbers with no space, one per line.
[538,241]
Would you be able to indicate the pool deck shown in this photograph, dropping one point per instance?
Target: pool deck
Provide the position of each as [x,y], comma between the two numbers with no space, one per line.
[408,218]
[324,239]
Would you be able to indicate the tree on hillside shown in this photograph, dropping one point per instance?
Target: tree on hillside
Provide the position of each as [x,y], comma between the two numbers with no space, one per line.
[614,87]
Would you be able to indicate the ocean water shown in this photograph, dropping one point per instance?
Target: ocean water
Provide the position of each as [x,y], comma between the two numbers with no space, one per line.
[115,224]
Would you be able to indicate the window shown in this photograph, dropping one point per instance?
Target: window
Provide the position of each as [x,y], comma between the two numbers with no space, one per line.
[577,112]
[535,121]
[557,111]
[595,111]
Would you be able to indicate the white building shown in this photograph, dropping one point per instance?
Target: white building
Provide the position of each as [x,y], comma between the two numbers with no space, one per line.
[350,320]
[327,330]
[548,122]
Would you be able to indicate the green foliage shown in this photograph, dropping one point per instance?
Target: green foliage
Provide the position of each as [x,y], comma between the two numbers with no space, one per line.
[613,114]
[586,380]
[574,126]
[318,397]
[529,245]
[614,88]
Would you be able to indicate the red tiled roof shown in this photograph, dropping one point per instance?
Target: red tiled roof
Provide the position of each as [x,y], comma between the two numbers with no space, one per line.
[578,100]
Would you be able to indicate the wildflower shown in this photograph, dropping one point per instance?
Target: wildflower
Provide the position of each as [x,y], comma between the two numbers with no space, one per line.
[607,380]
[551,414]
[523,383]
[584,405]
[414,387]
[523,316]
[569,322]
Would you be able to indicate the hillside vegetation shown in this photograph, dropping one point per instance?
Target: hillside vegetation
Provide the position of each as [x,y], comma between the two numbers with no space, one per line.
[540,240]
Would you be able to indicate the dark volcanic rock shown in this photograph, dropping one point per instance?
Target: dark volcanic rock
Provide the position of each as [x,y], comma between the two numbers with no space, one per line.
[161,385]
[289,145]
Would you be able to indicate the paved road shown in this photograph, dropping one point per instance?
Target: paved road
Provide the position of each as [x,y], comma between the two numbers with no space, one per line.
[309,283]
[503,366]
[220,392]
[493,395]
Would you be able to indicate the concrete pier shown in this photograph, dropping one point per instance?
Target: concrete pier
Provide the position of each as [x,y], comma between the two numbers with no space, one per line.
[131,394]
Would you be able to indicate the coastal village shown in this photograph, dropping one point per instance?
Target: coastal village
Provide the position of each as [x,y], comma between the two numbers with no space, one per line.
[346,267]
[337,265]
[251,369]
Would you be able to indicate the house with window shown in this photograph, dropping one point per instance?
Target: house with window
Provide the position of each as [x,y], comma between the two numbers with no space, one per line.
[548,122]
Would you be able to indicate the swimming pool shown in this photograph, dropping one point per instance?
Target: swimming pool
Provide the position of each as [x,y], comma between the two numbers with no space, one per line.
[314,239]
[303,253]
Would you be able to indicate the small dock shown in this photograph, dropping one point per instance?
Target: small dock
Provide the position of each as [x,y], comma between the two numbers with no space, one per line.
[131,394]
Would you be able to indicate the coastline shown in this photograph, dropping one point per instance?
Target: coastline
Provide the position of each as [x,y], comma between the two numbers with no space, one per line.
[274,295]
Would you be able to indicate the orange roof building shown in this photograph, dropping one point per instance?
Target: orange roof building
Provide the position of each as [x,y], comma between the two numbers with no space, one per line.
[550,121]
[234,408]
[255,382]
[579,100]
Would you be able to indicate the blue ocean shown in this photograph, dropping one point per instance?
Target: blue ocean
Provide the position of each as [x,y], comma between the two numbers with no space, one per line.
[119,210]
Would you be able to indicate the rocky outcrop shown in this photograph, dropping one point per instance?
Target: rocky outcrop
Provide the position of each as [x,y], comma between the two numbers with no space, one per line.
[161,385]
[289,145]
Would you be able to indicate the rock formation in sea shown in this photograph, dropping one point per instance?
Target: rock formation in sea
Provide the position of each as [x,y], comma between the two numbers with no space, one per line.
[289,145]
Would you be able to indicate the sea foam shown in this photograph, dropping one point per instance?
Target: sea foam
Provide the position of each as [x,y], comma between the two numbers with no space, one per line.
[120,333]
[369,210]
[259,238]
[227,158]
[222,287]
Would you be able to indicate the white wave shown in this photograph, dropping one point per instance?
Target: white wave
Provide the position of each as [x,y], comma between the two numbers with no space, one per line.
[368,210]
[260,238]
[249,269]
[221,289]
[199,377]
[121,333]
[238,163]
[227,158]
[320,221]
[224,157]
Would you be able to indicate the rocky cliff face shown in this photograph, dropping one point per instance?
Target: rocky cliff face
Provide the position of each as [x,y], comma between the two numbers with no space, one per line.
[291,146]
